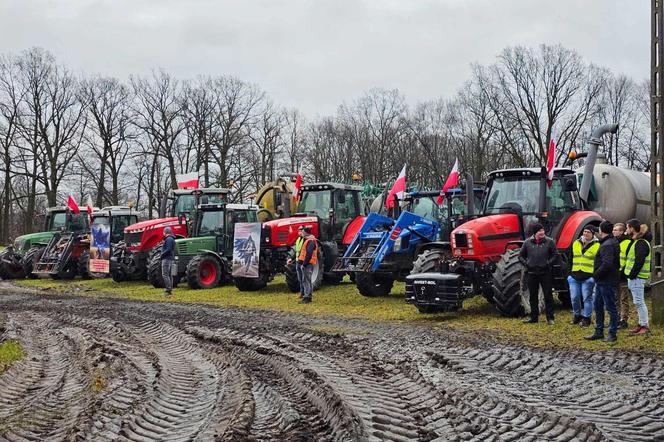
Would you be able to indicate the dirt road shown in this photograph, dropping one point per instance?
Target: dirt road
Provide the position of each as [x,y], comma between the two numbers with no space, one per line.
[119,370]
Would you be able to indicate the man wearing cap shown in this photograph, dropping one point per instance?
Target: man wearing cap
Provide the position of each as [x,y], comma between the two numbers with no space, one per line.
[308,258]
[580,280]
[538,255]
[168,260]
[606,276]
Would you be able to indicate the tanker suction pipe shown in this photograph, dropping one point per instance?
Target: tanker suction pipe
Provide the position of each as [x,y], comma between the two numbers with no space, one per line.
[595,141]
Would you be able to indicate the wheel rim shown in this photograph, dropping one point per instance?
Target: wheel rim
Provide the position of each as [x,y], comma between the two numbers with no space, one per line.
[207,272]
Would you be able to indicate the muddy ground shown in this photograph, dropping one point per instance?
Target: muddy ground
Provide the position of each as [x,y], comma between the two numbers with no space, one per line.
[108,369]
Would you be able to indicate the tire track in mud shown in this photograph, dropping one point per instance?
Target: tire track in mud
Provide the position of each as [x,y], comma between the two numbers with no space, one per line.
[117,370]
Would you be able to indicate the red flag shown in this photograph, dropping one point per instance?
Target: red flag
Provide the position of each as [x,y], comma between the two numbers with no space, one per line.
[89,204]
[398,189]
[549,162]
[451,182]
[72,205]
[187,180]
[298,184]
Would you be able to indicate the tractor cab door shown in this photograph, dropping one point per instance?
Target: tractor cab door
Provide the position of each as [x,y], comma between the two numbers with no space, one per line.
[347,207]
[560,204]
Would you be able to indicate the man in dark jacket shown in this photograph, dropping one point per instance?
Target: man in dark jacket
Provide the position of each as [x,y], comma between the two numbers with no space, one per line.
[538,254]
[168,260]
[606,275]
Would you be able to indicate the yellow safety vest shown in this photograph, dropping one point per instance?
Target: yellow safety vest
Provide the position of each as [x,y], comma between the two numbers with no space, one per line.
[623,252]
[298,245]
[584,261]
[631,257]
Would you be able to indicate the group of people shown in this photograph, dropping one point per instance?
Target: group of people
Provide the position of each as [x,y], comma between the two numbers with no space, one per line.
[306,258]
[607,266]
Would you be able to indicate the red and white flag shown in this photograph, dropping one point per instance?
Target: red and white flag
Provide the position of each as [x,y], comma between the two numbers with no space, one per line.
[72,205]
[187,180]
[89,206]
[451,182]
[298,184]
[398,189]
[550,161]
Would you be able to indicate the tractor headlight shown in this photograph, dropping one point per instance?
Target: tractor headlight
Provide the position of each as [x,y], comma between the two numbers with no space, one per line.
[397,244]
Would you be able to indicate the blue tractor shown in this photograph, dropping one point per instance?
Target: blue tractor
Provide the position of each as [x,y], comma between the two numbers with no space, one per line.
[385,249]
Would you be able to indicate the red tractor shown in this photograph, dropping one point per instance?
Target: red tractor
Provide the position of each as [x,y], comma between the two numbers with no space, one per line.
[485,250]
[334,211]
[129,258]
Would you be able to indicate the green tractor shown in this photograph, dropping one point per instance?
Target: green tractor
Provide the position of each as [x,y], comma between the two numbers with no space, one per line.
[204,258]
[17,260]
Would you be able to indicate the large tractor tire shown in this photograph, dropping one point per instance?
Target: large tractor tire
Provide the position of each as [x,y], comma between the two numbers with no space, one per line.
[30,259]
[11,269]
[154,269]
[204,272]
[429,261]
[69,271]
[292,280]
[84,267]
[126,272]
[330,255]
[316,276]
[372,285]
[508,285]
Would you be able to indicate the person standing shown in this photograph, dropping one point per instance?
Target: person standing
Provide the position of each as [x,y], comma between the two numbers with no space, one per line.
[538,254]
[606,275]
[308,258]
[580,280]
[623,291]
[168,260]
[637,270]
[298,267]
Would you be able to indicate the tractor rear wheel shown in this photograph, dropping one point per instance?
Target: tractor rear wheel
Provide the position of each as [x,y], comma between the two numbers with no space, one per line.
[372,285]
[507,285]
[30,259]
[204,272]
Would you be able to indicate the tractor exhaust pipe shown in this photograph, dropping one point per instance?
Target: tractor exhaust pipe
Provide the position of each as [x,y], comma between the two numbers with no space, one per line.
[594,142]
[470,195]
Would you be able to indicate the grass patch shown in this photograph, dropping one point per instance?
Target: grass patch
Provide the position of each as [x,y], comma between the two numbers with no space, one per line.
[344,301]
[10,352]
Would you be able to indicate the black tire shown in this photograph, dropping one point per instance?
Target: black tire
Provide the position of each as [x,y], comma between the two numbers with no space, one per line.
[429,261]
[69,272]
[84,265]
[333,278]
[292,281]
[154,269]
[119,272]
[204,272]
[430,309]
[32,257]
[119,275]
[508,285]
[372,285]
[254,284]
[10,271]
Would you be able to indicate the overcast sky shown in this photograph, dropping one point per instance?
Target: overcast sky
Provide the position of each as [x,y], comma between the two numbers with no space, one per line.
[315,54]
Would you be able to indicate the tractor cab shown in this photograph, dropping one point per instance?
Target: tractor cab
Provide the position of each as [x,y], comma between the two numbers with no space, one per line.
[218,221]
[116,218]
[335,205]
[184,201]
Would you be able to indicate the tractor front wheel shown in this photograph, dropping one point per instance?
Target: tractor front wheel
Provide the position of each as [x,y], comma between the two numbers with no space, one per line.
[204,272]
[254,284]
[30,259]
[372,285]
[429,261]
[10,267]
[508,285]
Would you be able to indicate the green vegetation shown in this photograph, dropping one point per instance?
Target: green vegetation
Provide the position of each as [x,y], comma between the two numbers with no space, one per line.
[477,315]
[10,352]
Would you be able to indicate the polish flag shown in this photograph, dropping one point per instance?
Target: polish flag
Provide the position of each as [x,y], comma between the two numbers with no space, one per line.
[398,189]
[72,205]
[89,204]
[549,162]
[187,180]
[452,182]
[298,184]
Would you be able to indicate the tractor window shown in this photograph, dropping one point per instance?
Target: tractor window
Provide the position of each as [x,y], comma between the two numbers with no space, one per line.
[119,224]
[57,221]
[185,203]
[518,193]
[316,202]
[346,208]
[211,222]
[79,222]
[426,208]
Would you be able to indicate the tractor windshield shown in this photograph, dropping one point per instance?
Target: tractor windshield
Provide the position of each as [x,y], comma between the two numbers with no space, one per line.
[57,220]
[426,208]
[521,193]
[211,222]
[186,203]
[317,202]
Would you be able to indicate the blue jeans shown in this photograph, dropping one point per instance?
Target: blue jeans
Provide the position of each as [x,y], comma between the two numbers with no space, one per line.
[298,270]
[579,290]
[638,296]
[605,297]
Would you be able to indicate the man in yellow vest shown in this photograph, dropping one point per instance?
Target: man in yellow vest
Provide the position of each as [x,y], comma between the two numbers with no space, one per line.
[624,294]
[580,280]
[298,268]
[637,270]
[308,259]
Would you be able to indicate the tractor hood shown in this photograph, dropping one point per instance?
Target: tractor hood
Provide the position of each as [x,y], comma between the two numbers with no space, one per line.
[485,237]
[283,232]
[24,242]
[151,224]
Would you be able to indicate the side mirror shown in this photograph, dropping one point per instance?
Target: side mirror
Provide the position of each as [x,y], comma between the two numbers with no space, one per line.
[569,183]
